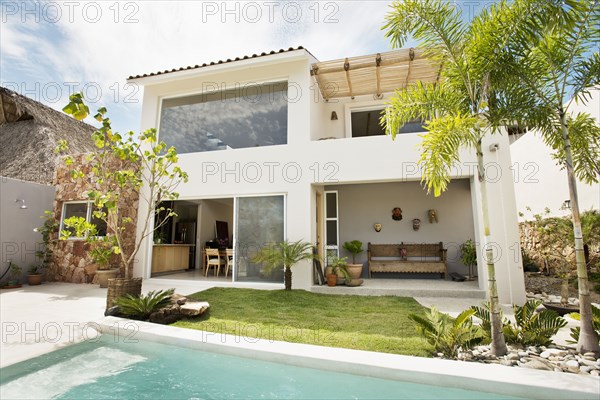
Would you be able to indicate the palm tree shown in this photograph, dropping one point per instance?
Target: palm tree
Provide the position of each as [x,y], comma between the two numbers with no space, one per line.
[285,254]
[554,60]
[459,110]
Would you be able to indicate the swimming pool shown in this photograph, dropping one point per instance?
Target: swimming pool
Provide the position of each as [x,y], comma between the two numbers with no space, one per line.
[149,370]
[144,360]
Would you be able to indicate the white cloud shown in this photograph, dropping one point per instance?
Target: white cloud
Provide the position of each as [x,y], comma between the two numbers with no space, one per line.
[105,42]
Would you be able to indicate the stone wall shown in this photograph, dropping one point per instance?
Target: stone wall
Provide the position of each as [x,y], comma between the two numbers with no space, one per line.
[70,261]
[530,243]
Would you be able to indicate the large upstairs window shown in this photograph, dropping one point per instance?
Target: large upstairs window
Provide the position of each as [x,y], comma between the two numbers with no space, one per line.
[366,123]
[250,115]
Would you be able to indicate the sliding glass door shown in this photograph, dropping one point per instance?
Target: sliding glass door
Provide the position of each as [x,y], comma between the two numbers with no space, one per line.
[259,223]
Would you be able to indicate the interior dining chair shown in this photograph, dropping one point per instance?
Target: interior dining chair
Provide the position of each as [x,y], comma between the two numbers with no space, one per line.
[213,259]
[229,261]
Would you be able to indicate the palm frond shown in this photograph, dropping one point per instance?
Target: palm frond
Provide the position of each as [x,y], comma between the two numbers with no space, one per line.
[440,148]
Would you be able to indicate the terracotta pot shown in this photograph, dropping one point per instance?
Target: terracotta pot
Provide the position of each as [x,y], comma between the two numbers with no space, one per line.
[33,280]
[331,279]
[355,270]
[104,275]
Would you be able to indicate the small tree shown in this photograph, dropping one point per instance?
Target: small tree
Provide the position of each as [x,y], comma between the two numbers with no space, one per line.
[549,60]
[121,163]
[284,255]
[468,256]
[460,109]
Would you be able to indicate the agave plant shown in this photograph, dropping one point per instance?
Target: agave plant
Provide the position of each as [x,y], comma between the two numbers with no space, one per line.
[142,306]
[533,328]
[446,334]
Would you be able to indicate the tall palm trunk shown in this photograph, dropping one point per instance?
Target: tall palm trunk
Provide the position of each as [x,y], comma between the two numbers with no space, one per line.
[588,339]
[498,343]
[288,278]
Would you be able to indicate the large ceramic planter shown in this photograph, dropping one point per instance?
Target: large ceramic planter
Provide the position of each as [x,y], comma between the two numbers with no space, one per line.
[355,270]
[340,279]
[34,279]
[354,282]
[104,275]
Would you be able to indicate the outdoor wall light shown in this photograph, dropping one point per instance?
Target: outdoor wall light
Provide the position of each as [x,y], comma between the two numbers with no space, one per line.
[377,227]
[334,116]
[566,205]
[22,206]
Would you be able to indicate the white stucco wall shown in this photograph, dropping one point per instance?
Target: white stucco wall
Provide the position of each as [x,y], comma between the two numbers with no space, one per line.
[19,241]
[303,166]
[539,181]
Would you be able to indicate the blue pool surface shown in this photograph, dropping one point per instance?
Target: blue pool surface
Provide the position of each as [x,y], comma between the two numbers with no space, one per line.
[111,369]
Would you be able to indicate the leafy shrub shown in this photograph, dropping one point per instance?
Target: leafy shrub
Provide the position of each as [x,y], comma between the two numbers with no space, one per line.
[143,306]
[483,313]
[595,324]
[530,329]
[446,334]
[533,328]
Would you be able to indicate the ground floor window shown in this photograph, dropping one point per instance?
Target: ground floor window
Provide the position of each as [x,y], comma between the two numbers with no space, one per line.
[83,209]
[260,222]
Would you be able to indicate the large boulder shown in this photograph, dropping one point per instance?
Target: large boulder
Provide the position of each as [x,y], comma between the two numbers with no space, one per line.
[194,308]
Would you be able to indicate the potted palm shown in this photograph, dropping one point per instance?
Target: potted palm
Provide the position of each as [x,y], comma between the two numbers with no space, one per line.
[355,248]
[34,276]
[15,274]
[336,270]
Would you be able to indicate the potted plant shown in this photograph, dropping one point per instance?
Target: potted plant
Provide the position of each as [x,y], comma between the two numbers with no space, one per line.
[334,270]
[468,256]
[355,248]
[15,274]
[101,253]
[34,276]
[339,268]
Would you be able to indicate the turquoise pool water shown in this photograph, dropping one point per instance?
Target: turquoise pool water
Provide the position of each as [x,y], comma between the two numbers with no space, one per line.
[148,370]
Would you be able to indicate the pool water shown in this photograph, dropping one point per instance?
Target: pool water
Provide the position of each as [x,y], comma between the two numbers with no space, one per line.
[148,370]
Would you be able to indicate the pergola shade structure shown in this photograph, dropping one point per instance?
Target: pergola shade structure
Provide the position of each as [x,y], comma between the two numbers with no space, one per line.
[373,74]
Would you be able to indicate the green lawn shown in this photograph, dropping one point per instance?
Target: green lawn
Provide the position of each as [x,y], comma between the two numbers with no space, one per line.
[353,322]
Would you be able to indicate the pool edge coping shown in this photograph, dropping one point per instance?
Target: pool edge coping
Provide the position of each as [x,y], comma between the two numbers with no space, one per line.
[511,381]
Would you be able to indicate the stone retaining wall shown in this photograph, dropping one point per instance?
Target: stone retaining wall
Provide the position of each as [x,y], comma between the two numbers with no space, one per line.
[70,260]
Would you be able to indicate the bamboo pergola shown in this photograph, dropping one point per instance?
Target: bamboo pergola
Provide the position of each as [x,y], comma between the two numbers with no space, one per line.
[373,74]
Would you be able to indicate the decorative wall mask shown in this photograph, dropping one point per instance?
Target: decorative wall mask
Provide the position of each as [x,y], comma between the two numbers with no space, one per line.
[432,216]
[416,224]
[377,227]
[397,214]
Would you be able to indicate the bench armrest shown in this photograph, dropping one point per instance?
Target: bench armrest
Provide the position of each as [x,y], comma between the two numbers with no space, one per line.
[444,254]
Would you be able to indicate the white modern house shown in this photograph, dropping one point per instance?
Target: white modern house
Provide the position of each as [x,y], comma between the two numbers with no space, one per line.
[539,182]
[281,146]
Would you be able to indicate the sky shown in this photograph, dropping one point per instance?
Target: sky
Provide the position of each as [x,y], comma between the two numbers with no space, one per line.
[49,49]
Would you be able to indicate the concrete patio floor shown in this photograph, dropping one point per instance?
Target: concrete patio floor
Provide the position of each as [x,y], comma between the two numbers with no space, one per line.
[39,319]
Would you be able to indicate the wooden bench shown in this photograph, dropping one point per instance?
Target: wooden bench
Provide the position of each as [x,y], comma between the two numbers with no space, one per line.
[419,258]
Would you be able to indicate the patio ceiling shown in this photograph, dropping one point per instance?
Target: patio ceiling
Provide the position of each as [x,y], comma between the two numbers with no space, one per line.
[373,74]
